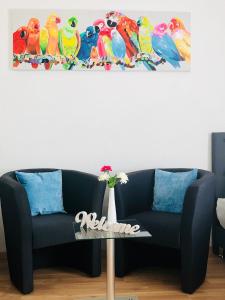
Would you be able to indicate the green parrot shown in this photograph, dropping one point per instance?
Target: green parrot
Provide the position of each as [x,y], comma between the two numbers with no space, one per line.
[69,40]
[145,35]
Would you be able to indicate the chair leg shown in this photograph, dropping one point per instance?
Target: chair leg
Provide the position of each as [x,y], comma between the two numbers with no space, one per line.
[21,273]
[96,259]
[121,259]
[125,257]
[221,253]
[216,249]
[193,269]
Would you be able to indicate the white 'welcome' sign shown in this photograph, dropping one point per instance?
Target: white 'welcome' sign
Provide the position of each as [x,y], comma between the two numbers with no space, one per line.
[91,222]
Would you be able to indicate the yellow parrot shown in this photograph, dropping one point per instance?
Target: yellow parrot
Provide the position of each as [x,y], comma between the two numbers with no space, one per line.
[49,36]
[181,37]
[144,35]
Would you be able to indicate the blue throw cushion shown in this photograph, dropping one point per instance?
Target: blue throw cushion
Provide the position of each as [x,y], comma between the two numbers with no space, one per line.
[44,191]
[170,189]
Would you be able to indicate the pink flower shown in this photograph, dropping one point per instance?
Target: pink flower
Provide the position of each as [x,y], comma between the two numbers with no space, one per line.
[106,169]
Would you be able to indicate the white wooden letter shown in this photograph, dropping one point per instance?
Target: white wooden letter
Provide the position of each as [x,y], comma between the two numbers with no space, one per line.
[81,217]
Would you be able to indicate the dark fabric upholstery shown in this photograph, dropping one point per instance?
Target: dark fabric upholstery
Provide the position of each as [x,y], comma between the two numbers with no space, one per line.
[51,230]
[34,242]
[137,196]
[189,232]
[164,227]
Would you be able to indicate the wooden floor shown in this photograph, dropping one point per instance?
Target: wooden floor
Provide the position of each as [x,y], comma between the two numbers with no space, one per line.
[147,284]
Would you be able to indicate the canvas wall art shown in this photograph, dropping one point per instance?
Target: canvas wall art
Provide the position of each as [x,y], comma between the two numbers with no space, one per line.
[75,40]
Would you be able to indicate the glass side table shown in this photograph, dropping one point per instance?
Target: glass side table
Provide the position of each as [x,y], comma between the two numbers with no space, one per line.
[88,234]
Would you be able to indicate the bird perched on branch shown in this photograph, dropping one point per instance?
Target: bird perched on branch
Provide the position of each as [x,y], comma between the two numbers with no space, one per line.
[164,46]
[145,35]
[69,40]
[181,37]
[89,40]
[128,29]
[145,40]
[118,48]
[49,38]
[104,43]
[33,41]
[19,42]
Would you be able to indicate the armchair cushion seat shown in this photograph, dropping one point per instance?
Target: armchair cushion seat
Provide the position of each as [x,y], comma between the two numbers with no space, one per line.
[164,227]
[52,230]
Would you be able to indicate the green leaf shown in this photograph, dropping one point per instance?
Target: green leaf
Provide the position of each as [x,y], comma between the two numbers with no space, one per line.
[112,181]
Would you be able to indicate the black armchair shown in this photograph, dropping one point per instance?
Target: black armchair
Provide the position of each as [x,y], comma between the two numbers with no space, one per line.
[186,235]
[41,241]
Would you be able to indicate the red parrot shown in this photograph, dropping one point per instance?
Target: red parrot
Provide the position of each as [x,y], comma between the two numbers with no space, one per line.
[104,41]
[19,42]
[128,29]
[33,41]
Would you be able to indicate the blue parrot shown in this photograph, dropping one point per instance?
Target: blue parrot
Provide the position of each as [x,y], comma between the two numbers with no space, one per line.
[164,46]
[118,47]
[89,40]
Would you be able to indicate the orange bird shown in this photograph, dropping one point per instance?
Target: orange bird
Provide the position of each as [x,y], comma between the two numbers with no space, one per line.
[33,41]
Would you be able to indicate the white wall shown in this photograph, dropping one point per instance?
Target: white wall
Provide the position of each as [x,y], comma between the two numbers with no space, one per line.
[132,121]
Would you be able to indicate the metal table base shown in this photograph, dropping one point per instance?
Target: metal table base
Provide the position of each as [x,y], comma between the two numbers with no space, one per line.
[110,281]
[110,287]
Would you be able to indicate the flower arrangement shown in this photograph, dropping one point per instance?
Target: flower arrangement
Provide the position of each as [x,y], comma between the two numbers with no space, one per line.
[112,180]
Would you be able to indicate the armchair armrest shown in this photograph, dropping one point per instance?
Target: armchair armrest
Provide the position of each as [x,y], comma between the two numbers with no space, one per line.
[196,225]
[137,195]
[82,191]
[198,207]
[18,232]
[16,213]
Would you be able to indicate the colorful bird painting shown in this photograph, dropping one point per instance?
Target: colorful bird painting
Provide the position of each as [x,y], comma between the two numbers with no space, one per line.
[128,29]
[49,38]
[89,39]
[94,56]
[69,39]
[104,43]
[20,42]
[181,37]
[114,40]
[118,48]
[20,37]
[145,40]
[33,41]
[145,35]
[164,46]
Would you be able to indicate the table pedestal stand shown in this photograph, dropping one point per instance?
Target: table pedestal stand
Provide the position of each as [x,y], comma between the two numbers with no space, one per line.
[110,294]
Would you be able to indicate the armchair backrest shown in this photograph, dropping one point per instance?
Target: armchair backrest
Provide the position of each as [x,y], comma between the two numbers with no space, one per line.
[138,195]
[12,174]
[81,191]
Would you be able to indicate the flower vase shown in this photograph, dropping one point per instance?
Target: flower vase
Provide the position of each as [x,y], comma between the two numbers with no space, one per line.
[112,207]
